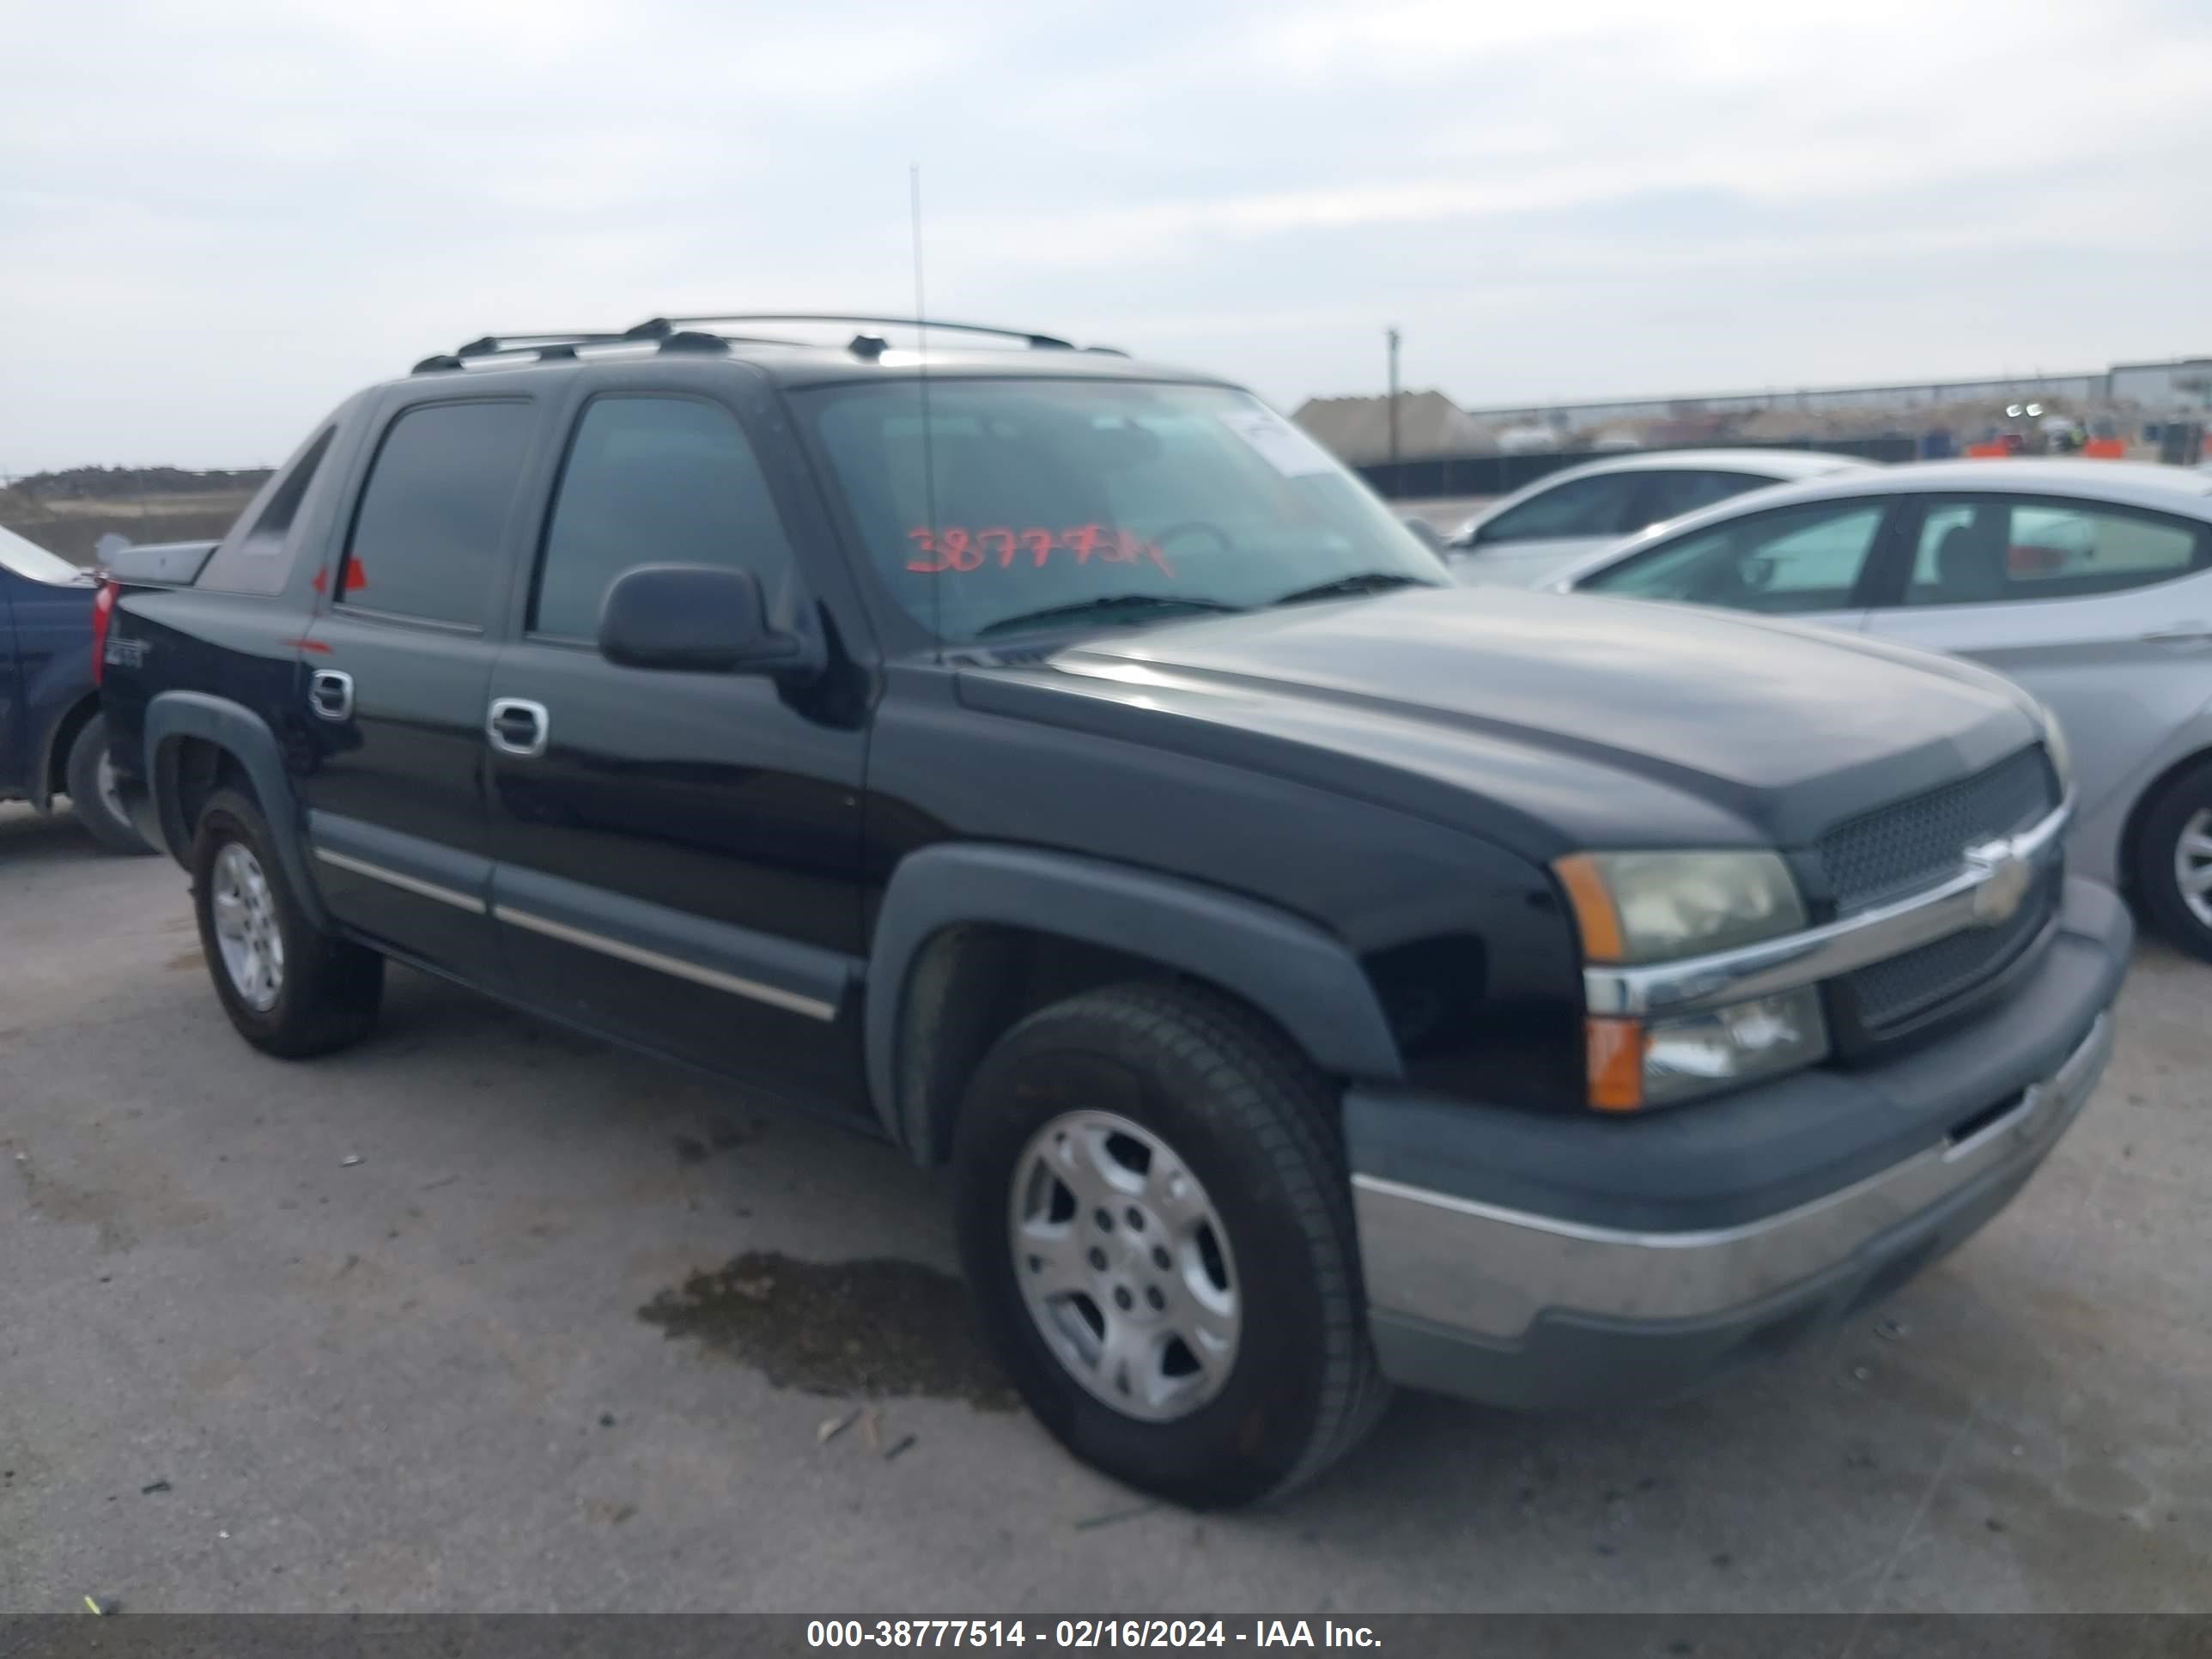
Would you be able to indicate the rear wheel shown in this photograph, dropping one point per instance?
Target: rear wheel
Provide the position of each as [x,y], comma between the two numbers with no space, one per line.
[290,989]
[2172,861]
[90,776]
[1158,1230]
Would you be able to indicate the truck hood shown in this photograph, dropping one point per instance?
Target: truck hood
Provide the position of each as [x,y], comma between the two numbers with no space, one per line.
[1557,718]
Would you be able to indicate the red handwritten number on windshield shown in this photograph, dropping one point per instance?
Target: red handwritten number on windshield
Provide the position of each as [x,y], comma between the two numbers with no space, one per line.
[957,548]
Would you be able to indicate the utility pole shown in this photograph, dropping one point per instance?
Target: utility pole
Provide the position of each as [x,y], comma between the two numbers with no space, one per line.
[1397,482]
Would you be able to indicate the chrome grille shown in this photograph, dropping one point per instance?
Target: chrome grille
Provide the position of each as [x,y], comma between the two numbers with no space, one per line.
[1888,993]
[1893,849]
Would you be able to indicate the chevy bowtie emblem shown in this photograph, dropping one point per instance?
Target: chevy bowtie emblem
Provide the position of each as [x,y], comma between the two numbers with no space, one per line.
[2005,878]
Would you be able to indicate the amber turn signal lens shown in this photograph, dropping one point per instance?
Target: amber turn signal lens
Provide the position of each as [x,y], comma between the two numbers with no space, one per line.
[1614,1059]
[1596,920]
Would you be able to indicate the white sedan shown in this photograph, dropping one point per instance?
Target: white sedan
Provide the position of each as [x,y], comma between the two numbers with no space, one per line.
[2089,582]
[1521,539]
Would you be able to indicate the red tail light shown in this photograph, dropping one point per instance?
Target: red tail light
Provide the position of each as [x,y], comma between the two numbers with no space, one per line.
[103,612]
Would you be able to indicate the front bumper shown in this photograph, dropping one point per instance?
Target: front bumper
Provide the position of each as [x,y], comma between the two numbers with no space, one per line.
[1574,1261]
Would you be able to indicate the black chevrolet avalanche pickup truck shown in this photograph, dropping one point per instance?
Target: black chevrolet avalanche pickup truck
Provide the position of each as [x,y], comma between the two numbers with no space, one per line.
[1318,975]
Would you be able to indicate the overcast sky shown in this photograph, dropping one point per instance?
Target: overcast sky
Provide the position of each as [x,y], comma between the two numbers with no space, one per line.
[217,217]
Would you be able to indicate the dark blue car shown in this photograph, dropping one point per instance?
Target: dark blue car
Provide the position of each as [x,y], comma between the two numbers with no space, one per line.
[53,740]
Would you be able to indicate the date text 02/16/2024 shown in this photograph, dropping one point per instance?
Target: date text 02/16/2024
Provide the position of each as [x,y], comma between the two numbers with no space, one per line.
[1082,1633]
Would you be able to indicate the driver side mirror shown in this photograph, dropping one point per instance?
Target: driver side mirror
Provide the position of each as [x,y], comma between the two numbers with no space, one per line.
[703,619]
[1427,533]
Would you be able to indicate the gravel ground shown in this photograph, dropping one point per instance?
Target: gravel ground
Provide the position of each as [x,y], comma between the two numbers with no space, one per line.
[481,1315]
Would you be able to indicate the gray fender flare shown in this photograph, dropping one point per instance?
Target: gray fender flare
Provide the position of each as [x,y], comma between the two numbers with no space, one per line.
[237,729]
[1303,979]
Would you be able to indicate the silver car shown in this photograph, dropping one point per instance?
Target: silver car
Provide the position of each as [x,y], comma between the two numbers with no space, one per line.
[1519,540]
[2088,582]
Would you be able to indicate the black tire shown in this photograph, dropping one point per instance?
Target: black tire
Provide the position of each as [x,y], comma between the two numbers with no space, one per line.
[2151,861]
[105,823]
[329,992]
[1256,1126]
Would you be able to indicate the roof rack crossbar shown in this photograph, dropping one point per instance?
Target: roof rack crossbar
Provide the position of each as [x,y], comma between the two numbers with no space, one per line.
[542,346]
[497,344]
[1035,341]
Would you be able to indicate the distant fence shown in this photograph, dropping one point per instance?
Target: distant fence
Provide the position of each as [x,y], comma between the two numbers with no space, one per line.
[1501,475]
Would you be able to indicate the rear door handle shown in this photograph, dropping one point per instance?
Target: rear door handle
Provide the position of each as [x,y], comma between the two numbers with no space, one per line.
[2185,632]
[518,726]
[330,693]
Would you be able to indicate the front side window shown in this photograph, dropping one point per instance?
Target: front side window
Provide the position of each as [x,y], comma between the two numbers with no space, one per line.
[427,536]
[653,480]
[1792,561]
[1029,503]
[1596,505]
[1980,551]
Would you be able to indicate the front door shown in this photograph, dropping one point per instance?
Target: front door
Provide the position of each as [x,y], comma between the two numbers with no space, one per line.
[2104,612]
[677,851]
[392,676]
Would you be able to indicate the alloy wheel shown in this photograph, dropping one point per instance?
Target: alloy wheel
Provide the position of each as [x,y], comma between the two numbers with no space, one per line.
[246,929]
[2193,864]
[1125,1266]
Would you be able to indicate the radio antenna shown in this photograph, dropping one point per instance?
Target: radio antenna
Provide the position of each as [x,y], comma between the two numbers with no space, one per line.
[928,443]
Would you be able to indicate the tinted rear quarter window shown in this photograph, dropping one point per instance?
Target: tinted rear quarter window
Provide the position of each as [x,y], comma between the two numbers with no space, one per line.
[426,537]
[259,559]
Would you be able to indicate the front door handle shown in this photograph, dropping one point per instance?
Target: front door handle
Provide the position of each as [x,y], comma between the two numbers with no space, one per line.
[2184,633]
[330,693]
[518,726]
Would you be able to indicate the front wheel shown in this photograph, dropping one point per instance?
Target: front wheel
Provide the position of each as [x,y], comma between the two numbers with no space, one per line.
[2172,861]
[90,775]
[1157,1227]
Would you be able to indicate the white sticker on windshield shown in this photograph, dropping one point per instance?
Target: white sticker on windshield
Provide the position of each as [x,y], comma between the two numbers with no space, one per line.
[1285,448]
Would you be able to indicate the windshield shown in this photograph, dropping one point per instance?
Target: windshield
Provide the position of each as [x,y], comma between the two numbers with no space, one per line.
[1044,503]
[30,559]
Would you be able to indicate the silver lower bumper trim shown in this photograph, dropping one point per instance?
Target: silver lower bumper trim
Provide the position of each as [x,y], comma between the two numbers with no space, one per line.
[1489,1270]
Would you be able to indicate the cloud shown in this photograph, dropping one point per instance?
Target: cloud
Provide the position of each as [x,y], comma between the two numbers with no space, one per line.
[223,216]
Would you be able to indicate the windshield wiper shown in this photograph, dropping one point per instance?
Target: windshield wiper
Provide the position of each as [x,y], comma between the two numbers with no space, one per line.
[1367,582]
[1099,605]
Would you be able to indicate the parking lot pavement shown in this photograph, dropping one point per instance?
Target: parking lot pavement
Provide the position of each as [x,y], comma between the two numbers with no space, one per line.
[406,1329]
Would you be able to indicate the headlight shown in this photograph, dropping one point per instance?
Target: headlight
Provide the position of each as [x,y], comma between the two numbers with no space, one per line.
[1635,1063]
[1654,907]
[2054,744]
[1633,908]
[1746,1039]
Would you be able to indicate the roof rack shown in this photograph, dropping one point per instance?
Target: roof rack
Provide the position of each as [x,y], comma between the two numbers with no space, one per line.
[1035,342]
[692,334]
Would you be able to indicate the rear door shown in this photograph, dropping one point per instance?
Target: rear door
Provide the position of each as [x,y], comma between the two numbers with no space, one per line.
[1813,562]
[678,852]
[2105,612]
[393,675]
